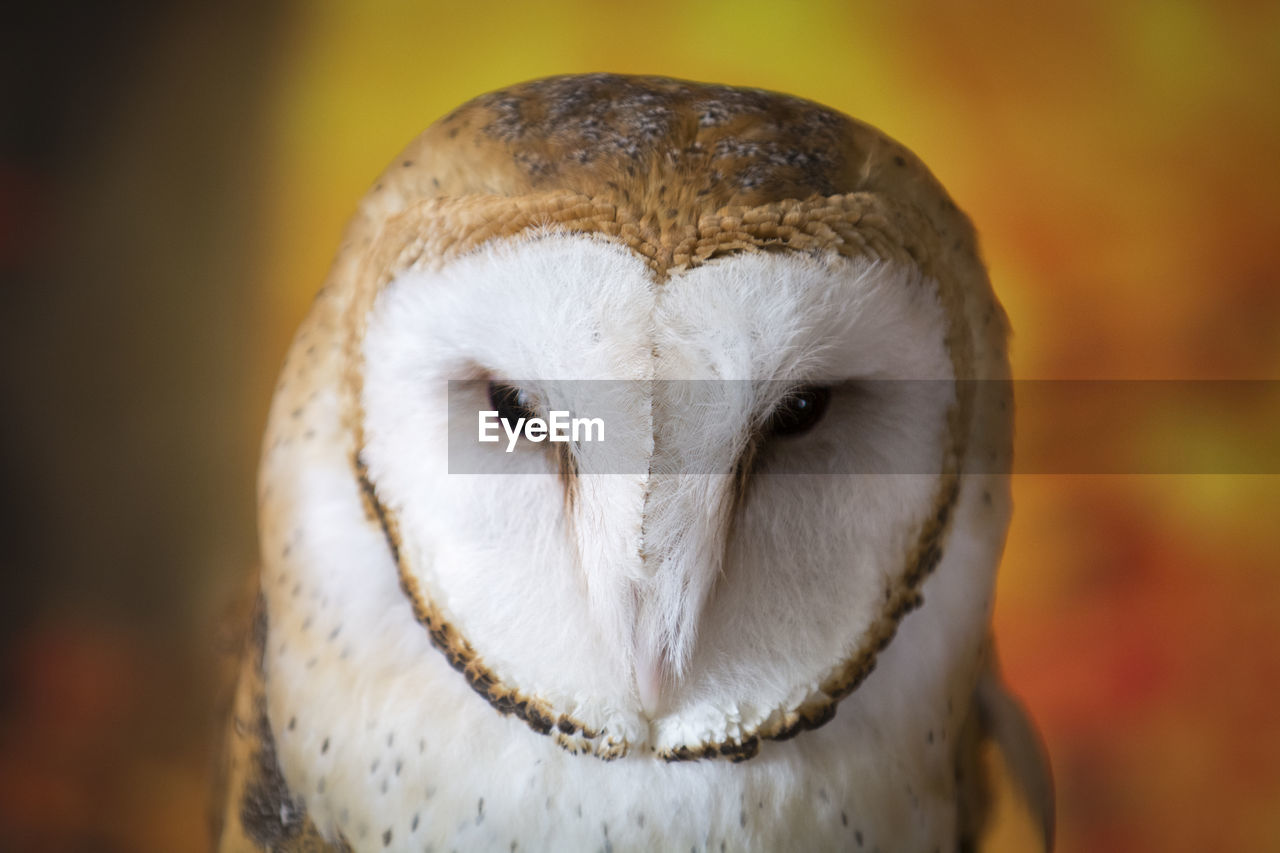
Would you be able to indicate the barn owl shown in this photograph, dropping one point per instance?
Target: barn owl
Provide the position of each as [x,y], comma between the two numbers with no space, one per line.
[754,614]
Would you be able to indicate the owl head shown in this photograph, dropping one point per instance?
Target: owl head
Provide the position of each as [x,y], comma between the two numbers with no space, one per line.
[781,323]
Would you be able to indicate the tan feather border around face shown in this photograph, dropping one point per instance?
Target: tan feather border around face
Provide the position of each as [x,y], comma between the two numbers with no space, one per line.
[434,232]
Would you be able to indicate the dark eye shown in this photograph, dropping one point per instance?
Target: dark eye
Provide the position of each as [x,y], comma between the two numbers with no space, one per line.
[800,411]
[510,402]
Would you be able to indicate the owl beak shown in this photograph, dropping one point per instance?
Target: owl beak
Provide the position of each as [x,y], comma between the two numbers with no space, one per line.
[650,675]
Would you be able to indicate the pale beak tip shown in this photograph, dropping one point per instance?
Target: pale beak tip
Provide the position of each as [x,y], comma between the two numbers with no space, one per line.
[649,686]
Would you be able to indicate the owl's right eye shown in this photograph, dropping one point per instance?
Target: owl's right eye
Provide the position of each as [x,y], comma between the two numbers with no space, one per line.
[800,411]
[511,403]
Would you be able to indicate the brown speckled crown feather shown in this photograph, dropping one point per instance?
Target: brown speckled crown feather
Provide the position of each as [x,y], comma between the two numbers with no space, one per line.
[671,151]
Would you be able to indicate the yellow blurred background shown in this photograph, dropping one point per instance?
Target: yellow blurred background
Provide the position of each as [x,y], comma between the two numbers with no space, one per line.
[173,183]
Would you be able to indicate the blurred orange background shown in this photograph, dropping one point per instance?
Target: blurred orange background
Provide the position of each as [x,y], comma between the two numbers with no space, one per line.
[173,183]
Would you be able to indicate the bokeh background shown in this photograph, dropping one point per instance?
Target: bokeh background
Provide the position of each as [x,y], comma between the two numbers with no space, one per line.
[173,181]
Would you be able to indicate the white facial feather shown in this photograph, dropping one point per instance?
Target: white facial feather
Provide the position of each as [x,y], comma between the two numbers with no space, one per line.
[591,610]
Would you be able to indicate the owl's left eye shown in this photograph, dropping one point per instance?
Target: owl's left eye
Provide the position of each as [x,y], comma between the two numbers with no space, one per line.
[800,411]
[511,403]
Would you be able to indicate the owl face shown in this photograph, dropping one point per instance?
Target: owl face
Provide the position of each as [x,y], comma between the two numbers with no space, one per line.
[701,572]
[779,317]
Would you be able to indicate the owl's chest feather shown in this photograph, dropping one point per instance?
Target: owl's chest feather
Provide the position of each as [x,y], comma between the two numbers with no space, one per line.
[365,774]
